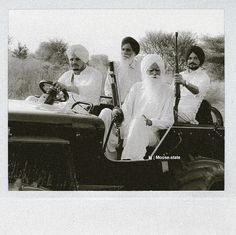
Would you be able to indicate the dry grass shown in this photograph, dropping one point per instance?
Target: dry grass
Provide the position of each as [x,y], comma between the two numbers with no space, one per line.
[25,75]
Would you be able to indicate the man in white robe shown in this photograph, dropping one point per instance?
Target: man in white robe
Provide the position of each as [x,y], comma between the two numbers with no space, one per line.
[83,82]
[127,70]
[147,109]
[195,84]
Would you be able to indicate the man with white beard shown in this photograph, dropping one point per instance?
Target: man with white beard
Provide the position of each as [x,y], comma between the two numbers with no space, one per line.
[147,108]
[127,70]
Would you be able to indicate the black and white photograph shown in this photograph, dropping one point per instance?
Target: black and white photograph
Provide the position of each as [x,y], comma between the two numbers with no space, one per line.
[117,117]
[99,105]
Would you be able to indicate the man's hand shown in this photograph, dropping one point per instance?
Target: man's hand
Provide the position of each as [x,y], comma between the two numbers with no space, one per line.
[192,88]
[179,79]
[60,86]
[117,115]
[148,121]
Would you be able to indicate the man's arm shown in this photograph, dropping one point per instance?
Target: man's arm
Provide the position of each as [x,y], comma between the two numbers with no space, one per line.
[128,104]
[73,89]
[61,84]
[192,88]
[167,116]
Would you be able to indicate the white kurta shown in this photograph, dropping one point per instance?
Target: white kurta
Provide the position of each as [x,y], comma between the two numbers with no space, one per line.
[137,136]
[89,83]
[190,103]
[126,78]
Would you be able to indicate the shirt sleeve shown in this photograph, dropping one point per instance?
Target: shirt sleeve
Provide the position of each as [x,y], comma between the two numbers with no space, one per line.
[62,79]
[128,104]
[203,84]
[167,116]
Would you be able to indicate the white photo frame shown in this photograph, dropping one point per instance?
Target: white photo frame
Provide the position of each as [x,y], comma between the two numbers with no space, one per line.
[152,206]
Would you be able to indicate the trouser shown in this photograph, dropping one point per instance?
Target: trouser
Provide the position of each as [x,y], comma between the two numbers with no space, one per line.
[138,137]
[186,117]
[106,116]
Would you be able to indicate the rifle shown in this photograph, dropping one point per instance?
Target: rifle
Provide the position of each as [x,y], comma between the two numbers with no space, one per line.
[116,103]
[114,89]
[177,86]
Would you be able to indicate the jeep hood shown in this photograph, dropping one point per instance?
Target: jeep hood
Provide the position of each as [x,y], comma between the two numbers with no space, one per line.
[26,111]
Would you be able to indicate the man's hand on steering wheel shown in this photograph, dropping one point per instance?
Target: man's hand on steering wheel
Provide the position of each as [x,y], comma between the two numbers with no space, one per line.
[60,86]
[63,87]
[56,91]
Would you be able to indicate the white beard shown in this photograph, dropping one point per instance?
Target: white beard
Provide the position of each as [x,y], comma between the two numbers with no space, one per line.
[124,69]
[125,63]
[153,88]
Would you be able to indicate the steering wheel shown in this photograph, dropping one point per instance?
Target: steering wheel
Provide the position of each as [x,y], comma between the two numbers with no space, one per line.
[54,94]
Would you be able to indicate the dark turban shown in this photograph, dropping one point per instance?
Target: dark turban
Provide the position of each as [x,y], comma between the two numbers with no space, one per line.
[133,43]
[198,51]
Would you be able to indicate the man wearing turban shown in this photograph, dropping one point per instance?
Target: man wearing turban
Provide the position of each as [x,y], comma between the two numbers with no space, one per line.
[195,84]
[147,108]
[83,82]
[127,70]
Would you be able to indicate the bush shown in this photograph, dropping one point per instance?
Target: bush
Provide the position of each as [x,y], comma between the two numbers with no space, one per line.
[25,75]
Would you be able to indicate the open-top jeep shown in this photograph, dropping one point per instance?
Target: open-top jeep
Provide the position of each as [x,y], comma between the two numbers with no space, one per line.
[53,146]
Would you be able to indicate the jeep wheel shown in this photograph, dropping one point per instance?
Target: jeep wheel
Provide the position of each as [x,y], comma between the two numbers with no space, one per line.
[203,174]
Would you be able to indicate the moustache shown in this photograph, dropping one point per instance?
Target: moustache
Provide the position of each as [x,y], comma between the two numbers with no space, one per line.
[126,56]
[192,64]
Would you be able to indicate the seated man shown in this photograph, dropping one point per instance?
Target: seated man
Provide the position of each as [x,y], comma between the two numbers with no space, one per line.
[147,108]
[127,70]
[195,84]
[83,82]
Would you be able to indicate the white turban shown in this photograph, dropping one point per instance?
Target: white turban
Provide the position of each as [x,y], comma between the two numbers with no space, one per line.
[153,87]
[150,59]
[78,51]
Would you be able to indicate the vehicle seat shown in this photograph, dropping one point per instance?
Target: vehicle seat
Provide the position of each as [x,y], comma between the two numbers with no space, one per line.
[204,113]
[105,102]
[98,108]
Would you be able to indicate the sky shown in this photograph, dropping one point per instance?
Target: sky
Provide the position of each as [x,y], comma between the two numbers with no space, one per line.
[101,30]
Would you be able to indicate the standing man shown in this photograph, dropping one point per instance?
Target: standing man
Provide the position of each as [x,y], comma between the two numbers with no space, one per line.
[83,82]
[195,84]
[127,70]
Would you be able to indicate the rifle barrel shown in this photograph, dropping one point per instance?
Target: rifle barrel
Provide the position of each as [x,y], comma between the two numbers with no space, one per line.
[177,86]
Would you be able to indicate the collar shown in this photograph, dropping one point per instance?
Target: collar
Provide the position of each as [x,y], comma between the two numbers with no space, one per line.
[194,71]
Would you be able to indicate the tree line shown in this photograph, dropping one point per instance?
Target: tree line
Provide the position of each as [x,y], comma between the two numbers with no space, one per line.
[50,60]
